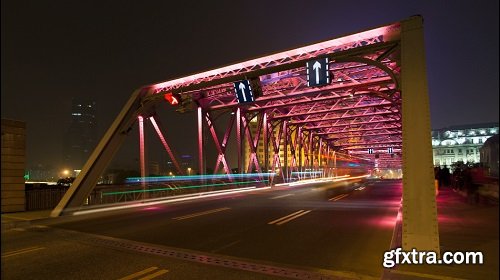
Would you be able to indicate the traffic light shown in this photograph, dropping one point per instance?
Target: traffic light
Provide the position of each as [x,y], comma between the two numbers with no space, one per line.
[173,98]
[184,102]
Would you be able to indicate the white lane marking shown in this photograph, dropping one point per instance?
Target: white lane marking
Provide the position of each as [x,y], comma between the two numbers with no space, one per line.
[283,218]
[226,246]
[137,274]
[281,196]
[22,251]
[201,213]
[154,275]
[293,218]
[335,198]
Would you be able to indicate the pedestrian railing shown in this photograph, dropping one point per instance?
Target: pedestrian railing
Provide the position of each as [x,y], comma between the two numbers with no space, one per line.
[45,198]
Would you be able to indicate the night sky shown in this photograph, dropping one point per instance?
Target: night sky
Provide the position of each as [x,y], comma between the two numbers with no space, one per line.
[53,51]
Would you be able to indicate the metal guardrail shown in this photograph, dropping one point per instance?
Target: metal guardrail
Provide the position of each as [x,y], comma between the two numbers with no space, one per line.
[42,199]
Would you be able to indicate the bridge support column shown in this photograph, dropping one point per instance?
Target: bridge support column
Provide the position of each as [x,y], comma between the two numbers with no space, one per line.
[142,149]
[285,151]
[142,155]
[238,139]
[420,226]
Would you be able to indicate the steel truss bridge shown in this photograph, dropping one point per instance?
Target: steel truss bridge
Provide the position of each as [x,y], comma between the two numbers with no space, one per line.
[375,109]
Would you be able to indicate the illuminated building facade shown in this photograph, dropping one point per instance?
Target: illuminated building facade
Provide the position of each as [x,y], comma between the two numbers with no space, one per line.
[460,143]
[80,138]
[260,149]
[489,156]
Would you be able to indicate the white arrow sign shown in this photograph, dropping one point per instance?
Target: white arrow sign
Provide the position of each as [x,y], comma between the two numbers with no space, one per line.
[317,66]
[242,87]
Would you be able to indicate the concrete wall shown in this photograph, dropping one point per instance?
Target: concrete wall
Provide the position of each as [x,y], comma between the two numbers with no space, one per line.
[13,165]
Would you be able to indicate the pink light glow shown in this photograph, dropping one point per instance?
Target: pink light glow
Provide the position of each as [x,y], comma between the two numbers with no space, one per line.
[385,222]
[151,208]
[386,31]
[447,219]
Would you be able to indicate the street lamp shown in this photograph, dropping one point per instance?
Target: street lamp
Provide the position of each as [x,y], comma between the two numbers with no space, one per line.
[65,172]
[189,171]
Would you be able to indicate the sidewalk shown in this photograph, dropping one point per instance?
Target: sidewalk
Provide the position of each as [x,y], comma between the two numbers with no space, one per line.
[21,219]
[462,227]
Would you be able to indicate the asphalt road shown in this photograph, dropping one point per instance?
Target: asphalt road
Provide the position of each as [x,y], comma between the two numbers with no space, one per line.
[344,229]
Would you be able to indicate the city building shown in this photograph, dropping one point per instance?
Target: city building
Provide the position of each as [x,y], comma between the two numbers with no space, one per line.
[186,164]
[80,138]
[460,143]
[489,155]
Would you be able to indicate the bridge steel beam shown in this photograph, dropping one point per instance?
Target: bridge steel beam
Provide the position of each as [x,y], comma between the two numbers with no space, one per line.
[201,165]
[142,147]
[103,153]
[156,124]
[420,225]
[265,128]
[220,146]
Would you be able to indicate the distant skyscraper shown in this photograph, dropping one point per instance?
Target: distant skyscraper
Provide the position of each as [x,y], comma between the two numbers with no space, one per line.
[80,138]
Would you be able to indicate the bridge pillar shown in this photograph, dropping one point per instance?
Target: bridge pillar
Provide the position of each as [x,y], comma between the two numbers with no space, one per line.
[142,155]
[420,226]
[201,166]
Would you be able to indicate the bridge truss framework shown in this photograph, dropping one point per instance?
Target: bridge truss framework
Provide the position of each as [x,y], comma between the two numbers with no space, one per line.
[378,99]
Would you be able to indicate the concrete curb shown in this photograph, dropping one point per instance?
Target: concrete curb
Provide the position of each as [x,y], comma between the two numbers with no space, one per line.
[6,225]
[396,242]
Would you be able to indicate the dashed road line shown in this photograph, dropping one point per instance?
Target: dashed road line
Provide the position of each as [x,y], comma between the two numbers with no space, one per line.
[201,213]
[154,275]
[288,218]
[281,196]
[338,197]
[22,251]
[225,246]
[145,271]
